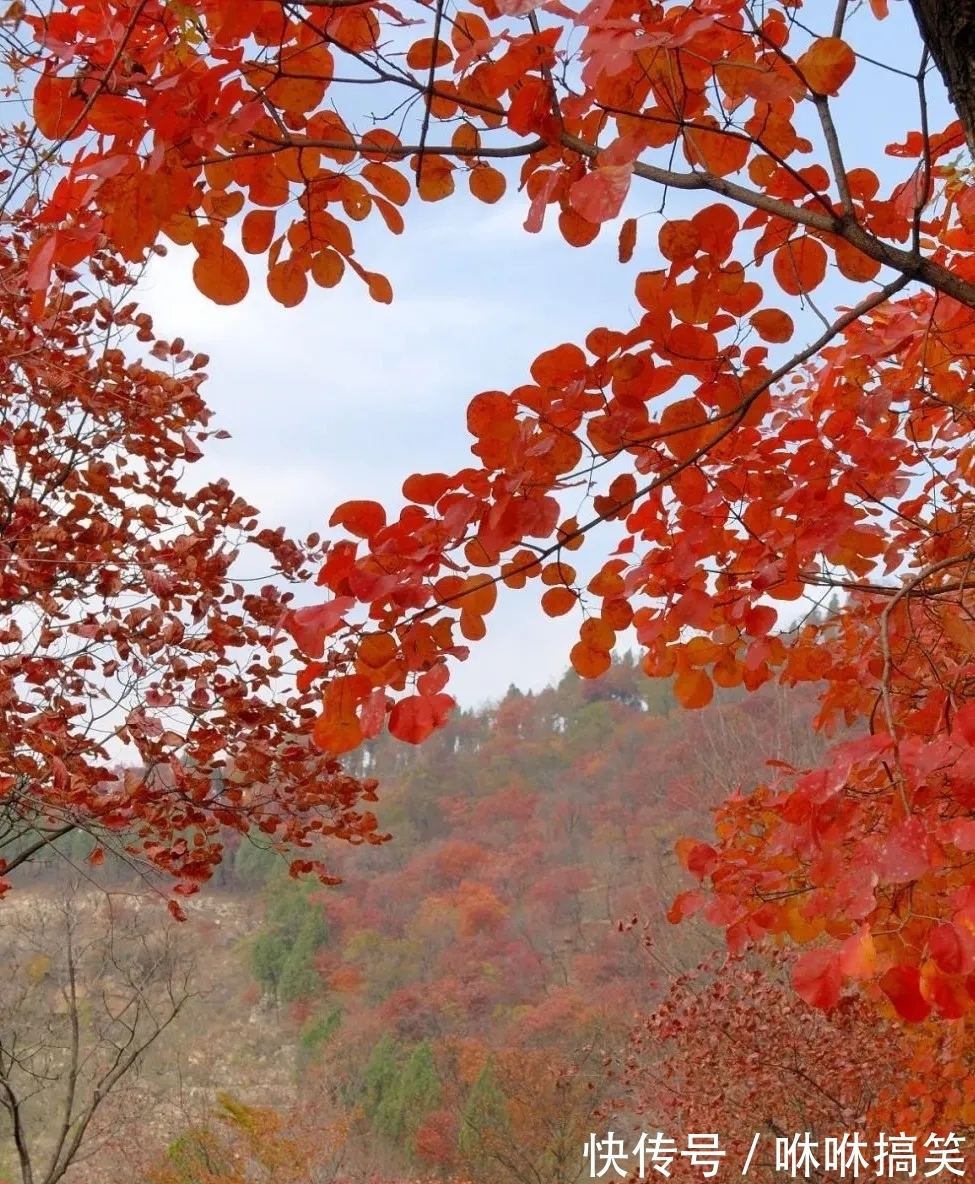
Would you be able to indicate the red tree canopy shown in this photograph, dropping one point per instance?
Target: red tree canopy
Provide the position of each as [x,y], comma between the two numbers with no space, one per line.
[121,623]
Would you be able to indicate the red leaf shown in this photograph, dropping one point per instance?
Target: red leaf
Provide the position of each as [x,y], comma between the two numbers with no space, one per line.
[433,681]
[685,905]
[698,858]
[40,260]
[372,714]
[426,489]
[310,626]
[415,718]
[902,986]
[362,518]
[905,854]
[963,725]
[816,977]
[952,948]
[962,834]
[599,195]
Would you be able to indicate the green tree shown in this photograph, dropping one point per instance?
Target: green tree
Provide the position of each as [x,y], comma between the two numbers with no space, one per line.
[282,956]
[420,1089]
[254,865]
[415,1092]
[381,1079]
[484,1118]
[315,1034]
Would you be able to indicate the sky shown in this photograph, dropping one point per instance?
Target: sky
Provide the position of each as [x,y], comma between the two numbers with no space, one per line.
[343,398]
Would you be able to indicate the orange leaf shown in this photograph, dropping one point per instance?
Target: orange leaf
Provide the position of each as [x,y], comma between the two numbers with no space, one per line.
[472,626]
[627,240]
[558,574]
[854,265]
[337,735]
[376,650]
[219,273]
[257,231]
[56,106]
[679,240]
[479,595]
[858,956]
[327,268]
[338,730]
[466,28]
[388,181]
[435,178]
[693,689]
[556,602]
[827,64]
[588,662]
[486,410]
[486,184]
[800,265]
[720,152]
[717,227]
[772,324]
[597,634]
[559,366]
[466,138]
[426,52]
[380,289]
[684,424]
[577,230]
[287,283]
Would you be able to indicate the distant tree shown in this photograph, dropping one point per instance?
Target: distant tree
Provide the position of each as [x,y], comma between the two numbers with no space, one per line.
[244,1144]
[380,1080]
[484,1122]
[416,1091]
[87,986]
[282,954]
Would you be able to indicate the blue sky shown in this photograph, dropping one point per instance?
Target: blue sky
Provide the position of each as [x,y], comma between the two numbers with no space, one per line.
[342,398]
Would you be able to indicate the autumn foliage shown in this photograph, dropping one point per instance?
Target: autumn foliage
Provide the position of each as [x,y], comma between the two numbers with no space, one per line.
[776,1066]
[121,625]
[751,458]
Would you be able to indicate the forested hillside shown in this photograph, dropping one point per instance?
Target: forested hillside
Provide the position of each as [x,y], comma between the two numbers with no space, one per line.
[463,1001]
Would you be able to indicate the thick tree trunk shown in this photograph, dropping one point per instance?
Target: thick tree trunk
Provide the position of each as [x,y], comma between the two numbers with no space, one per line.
[948,30]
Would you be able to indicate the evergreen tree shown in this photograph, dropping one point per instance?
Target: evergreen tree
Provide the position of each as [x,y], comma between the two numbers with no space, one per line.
[381,1081]
[420,1089]
[282,956]
[406,1098]
[484,1118]
[299,978]
[254,865]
